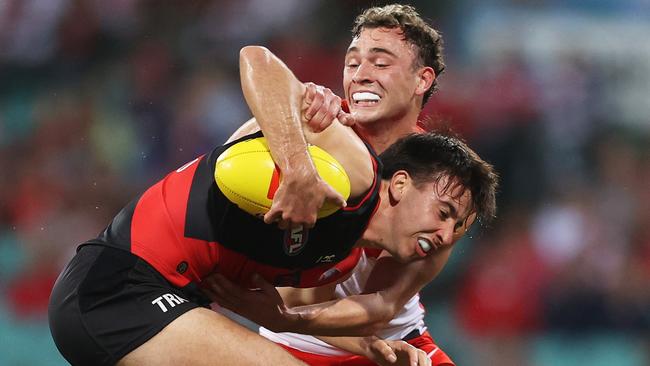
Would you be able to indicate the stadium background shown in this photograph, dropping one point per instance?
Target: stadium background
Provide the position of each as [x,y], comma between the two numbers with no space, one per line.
[99,98]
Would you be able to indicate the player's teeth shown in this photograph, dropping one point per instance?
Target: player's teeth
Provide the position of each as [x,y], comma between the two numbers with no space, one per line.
[365,96]
[424,244]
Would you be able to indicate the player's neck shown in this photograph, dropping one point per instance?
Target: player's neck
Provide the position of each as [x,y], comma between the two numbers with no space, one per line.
[381,134]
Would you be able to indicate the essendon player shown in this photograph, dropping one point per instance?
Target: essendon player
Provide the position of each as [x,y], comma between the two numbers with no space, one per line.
[131,295]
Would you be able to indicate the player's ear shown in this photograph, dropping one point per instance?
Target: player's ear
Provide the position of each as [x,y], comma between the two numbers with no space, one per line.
[398,185]
[426,76]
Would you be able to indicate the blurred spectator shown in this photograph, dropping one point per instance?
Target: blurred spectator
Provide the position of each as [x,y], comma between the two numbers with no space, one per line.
[499,300]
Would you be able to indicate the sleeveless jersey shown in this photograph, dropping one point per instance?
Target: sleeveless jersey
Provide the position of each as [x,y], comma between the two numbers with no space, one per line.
[186,229]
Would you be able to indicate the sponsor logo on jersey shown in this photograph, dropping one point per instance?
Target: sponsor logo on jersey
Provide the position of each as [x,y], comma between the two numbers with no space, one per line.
[326,258]
[295,240]
[168,301]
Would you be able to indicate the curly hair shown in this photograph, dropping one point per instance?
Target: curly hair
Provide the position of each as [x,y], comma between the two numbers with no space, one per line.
[417,32]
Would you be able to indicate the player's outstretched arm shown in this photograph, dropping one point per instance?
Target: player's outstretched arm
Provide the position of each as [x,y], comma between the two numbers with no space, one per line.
[357,315]
[275,97]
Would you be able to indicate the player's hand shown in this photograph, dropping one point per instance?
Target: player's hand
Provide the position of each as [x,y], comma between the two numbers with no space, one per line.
[298,199]
[320,106]
[262,305]
[397,353]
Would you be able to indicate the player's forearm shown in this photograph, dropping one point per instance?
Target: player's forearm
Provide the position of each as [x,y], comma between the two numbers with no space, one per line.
[355,345]
[274,96]
[358,315]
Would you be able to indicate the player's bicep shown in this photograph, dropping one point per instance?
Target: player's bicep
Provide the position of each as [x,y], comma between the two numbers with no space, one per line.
[397,290]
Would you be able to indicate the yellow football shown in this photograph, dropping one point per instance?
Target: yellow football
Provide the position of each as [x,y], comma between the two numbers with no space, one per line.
[248,176]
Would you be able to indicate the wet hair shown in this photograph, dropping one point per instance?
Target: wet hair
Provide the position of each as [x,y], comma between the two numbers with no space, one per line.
[426,39]
[427,157]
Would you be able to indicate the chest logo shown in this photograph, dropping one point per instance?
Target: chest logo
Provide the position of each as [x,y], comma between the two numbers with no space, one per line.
[295,240]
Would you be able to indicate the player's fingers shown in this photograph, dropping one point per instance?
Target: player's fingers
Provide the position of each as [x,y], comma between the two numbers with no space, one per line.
[416,356]
[332,112]
[345,118]
[385,351]
[314,107]
[319,118]
[297,220]
[310,92]
[335,197]
[302,224]
[284,224]
[423,360]
[273,215]
[309,225]
[413,356]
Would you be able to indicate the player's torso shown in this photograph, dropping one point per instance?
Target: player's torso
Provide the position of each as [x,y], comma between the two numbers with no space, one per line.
[186,228]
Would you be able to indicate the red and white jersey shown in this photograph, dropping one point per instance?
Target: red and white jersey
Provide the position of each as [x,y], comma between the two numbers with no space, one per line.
[410,318]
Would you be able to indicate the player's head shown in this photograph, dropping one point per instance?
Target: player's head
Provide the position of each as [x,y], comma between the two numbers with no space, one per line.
[435,187]
[392,63]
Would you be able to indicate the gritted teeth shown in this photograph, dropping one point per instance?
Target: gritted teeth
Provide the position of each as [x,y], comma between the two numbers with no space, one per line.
[365,97]
[424,244]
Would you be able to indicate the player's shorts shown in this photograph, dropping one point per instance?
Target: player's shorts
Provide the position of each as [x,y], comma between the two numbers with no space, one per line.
[423,342]
[107,302]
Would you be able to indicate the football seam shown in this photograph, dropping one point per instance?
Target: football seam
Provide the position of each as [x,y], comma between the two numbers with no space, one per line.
[345,174]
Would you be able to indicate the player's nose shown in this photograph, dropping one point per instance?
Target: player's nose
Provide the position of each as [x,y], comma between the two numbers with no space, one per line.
[363,73]
[446,234]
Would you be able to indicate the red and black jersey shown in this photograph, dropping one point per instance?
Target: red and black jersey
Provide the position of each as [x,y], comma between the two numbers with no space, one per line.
[186,228]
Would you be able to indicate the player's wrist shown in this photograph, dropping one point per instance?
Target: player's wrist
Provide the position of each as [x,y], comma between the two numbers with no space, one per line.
[299,169]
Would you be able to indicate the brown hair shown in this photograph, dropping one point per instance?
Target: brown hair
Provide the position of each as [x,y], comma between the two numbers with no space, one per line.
[419,33]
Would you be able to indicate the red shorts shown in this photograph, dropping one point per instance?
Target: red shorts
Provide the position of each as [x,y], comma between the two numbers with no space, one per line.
[423,342]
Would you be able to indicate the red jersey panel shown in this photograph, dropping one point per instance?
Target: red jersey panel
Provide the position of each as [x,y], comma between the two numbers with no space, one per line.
[186,228]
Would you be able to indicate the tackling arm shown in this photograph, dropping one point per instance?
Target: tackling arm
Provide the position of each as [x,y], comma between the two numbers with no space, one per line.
[275,97]
[357,315]
[385,294]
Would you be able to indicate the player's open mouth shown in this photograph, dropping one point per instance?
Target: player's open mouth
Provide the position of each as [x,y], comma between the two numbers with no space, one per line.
[365,98]
[423,247]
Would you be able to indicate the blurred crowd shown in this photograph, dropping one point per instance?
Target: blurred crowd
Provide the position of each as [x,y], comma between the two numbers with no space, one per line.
[99,99]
